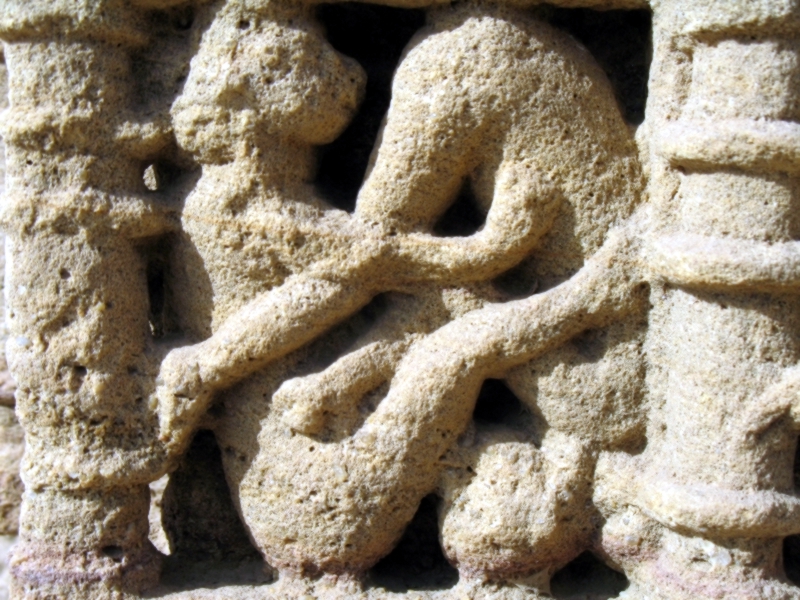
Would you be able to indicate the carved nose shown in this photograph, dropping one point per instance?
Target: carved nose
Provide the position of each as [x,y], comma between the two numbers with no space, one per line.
[356,81]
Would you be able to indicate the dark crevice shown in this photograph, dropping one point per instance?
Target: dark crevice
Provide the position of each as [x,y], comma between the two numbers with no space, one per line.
[585,577]
[162,317]
[181,18]
[791,545]
[796,468]
[115,553]
[498,405]
[417,562]
[164,176]
[463,217]
[156,291]
[791,558]
[207,551]
[375,36]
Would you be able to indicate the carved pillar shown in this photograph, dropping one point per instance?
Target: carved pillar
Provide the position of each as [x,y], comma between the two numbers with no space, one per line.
[80,345]
[726,320]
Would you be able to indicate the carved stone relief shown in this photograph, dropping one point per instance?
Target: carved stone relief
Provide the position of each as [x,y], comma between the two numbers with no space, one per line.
[10,431]
[541,343]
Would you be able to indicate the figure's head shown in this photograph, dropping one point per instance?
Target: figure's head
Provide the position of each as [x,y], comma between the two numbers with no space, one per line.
[264,73]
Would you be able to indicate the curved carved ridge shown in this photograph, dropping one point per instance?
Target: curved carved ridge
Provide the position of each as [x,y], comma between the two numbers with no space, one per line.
[772,146]
[720,512]
[716,263]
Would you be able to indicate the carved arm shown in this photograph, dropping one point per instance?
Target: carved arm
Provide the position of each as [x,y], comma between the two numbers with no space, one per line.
[440,377]
[522,212]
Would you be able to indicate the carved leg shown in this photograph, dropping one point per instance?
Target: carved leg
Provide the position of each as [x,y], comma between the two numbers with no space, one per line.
[514,513]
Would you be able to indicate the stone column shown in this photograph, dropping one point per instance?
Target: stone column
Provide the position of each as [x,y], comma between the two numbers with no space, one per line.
[717,477]
[11,438]
[80,345]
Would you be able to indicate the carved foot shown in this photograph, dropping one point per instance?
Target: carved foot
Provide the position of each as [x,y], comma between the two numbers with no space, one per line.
[308,402]
[180,399]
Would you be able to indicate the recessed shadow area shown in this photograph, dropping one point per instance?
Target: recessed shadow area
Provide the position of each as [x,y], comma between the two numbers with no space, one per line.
[791,558]
[210,546]
[375,36]
[791,545]
[621,42]
[587,578]
[498,405]
[339,340]
[463,218]
[417,563]
[156,287]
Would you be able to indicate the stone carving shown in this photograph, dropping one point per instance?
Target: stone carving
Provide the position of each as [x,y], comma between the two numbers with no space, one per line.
[78,217]
[721,256]
[11,486]
[344,523]
[174,270]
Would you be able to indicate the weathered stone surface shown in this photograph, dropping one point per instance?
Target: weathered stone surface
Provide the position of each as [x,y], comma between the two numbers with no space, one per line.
[11,435]
[546,345]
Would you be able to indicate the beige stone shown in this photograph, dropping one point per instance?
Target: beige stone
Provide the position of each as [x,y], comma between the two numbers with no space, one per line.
[10,431]
[231,388]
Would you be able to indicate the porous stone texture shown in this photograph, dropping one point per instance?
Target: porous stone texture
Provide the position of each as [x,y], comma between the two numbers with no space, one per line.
[11,434]
[546,346]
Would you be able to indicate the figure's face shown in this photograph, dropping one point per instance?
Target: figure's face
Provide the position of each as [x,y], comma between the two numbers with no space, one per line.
[262,75]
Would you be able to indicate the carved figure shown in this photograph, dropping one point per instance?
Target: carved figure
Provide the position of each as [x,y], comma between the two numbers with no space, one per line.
[476,120]
[326,263]
[328,462]
[491,526]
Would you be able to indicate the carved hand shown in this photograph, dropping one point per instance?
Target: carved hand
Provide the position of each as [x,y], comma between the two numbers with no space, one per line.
[307,401]
[524,207]
[180,395]
[304,402]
